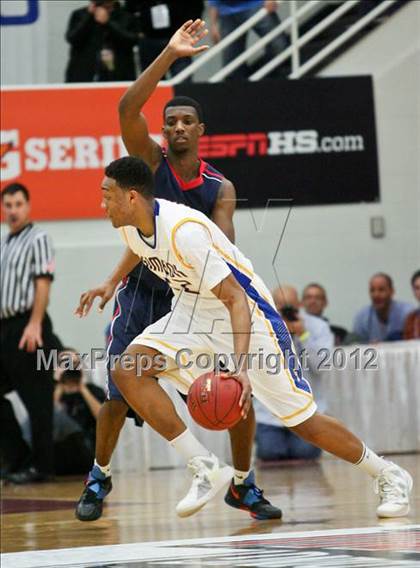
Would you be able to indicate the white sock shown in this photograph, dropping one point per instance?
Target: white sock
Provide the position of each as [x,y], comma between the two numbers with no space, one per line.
[370,462]
[188,446]
[105,469]
[240,476]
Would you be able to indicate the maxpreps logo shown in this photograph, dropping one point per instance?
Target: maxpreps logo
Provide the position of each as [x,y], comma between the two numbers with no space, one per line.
[38,154]
[277,143]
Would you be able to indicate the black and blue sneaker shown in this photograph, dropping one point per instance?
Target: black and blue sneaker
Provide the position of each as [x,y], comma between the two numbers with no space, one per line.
[97,487]
[249,497]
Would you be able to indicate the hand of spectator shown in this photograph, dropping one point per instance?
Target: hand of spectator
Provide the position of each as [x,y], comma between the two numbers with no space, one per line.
[105,292]
[184,40]
[215,33]
[31,337]
[58,393]
[101,15]
[270,6]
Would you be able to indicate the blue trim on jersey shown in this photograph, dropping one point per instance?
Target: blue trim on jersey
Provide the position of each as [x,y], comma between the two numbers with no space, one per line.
[279,327]
[156,210]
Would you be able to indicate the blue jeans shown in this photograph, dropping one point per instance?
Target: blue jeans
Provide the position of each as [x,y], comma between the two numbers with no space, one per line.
[230,22]
[277,443]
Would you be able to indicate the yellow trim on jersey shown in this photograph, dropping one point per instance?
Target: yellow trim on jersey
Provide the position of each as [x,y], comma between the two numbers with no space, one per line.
[161,343]
[174,230]
[173,348]
[290,416]
[234,262]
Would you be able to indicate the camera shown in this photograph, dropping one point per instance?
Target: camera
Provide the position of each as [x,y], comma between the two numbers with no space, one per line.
[290,313]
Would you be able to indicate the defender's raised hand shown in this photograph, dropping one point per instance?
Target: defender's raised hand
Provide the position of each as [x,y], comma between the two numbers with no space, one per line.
[184,40]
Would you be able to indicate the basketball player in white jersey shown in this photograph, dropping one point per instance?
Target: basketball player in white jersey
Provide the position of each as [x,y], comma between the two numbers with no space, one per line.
[220,306]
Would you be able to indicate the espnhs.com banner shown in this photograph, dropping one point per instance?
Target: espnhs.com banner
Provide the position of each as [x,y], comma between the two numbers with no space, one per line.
[307,142]
[311,140]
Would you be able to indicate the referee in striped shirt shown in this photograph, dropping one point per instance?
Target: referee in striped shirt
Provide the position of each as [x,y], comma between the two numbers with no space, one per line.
[27,268]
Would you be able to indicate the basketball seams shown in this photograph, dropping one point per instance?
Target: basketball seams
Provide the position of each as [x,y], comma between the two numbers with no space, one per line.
[207,412]
[235,401]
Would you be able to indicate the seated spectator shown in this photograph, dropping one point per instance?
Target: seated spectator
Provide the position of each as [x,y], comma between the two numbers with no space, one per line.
[102,37]
[310,334]
[226,16]
[412,323]
[157,21]
[384,319]
[315,301]
[77,403]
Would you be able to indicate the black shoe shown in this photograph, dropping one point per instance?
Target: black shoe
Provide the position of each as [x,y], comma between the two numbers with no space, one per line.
[89,507]
[29,475]
[249,498]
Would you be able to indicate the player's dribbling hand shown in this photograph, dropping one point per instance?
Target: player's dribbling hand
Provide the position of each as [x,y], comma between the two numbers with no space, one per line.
[183,42]
[105,292]
[245,400]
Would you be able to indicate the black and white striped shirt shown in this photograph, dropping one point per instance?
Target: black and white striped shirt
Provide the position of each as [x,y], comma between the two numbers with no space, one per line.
[25,255]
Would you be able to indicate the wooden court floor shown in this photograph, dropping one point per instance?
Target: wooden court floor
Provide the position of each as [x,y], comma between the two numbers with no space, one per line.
[329,495]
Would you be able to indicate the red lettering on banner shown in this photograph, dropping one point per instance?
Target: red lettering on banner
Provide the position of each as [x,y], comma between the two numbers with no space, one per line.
[230,145]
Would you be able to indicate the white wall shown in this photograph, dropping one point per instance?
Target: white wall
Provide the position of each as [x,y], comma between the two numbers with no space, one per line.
[36,53]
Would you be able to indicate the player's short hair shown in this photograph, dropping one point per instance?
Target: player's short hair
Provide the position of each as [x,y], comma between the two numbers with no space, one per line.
[13,188]
[315,285]
[185,101]
[414,277]
[132,173]
[386,277]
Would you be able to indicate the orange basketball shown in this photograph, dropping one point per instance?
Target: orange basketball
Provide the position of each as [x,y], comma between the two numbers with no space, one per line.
[213,401]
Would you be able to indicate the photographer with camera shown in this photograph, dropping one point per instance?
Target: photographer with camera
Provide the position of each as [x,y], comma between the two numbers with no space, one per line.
[102,37]
[77,403]
[310,334]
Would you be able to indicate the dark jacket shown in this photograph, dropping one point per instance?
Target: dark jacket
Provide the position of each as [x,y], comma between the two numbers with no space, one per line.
[87,38]
[179,12]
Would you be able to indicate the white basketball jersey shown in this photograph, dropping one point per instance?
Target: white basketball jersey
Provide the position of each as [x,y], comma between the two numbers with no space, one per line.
[189,252]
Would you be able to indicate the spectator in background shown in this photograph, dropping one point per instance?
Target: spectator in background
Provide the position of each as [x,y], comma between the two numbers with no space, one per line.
[102,37]
[226,16]
[314,300]
[309,334]
[77,403]
[157,21]
[384,319]
[412,323]
[27,269]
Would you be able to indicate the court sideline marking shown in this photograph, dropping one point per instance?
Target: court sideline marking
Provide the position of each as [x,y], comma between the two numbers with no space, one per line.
[164,550]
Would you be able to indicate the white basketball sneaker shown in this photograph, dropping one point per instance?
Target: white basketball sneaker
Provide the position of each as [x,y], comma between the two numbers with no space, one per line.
[209,477]
[393,485]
